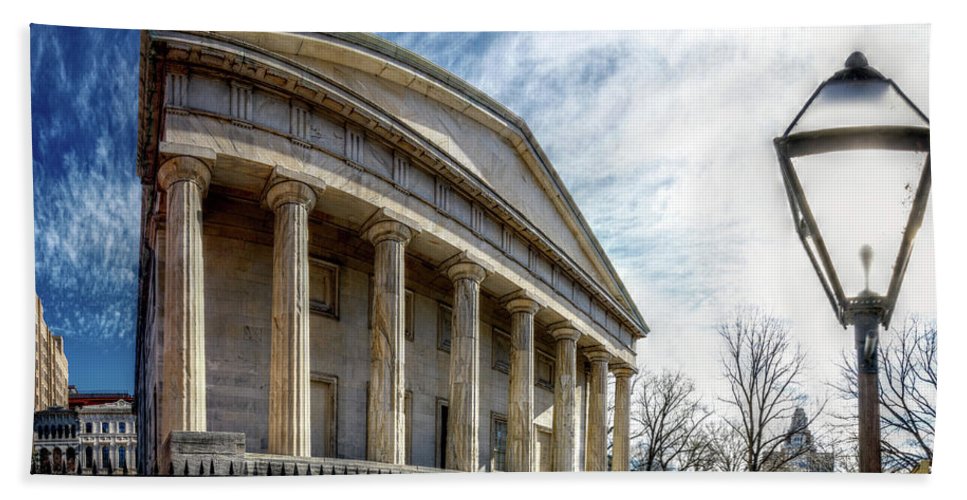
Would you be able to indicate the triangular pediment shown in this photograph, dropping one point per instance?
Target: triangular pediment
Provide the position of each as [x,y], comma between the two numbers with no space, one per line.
[486,140]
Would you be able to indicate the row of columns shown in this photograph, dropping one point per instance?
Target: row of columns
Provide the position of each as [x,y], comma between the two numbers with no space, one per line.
[185,179]
[97,455]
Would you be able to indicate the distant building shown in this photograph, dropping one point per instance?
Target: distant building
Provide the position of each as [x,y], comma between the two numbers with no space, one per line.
[108,435]
[55,443]
[799,443]
[50,365]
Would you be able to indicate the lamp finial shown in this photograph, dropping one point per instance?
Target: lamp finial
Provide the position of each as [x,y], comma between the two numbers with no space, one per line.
[866,256]
[856,60]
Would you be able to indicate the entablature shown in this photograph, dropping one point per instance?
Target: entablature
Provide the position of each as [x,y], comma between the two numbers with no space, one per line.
[283,101]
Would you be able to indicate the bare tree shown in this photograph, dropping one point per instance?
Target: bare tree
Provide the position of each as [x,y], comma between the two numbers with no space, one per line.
[699,451]
[841,446]
[763,368]
[908,388]
[728,450]
[669,417]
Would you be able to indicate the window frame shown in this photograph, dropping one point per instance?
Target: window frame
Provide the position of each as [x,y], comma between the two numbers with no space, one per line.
[495,420]
[495,363]
[541,356]
[320,307]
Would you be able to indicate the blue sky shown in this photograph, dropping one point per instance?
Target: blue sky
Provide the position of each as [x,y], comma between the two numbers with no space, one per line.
[662,137]
[86,196]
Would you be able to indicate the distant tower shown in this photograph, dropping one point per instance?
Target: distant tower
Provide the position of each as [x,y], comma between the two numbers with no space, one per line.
[799,441]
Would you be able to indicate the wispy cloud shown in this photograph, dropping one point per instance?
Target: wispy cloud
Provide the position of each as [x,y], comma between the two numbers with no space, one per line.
[86,195]
[664,138]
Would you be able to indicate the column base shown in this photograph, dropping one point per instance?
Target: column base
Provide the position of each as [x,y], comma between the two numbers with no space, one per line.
[205,453]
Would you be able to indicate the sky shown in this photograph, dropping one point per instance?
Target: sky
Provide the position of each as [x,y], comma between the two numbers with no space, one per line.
[84,97]
[663,138]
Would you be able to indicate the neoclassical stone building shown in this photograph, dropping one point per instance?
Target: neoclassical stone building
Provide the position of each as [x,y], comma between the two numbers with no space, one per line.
[54,441]
[95,436]
[108,439]
[348,252]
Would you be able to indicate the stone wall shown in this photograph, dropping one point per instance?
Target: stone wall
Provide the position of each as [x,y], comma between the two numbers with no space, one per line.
[238,283]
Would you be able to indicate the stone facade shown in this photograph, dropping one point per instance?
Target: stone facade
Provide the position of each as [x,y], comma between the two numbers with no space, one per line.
[107,438]
[95,436]
[50,364]
[347,253]
[55,441]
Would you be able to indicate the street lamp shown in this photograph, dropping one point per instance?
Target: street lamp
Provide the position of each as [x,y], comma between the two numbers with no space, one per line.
[860,151]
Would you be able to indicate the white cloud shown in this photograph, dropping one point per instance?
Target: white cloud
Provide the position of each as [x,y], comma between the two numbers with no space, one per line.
[664,138]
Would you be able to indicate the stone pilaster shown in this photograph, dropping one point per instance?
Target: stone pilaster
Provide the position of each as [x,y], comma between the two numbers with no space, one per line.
[387,384]
[596,451]
[565,407]
[463,447]
[185,180]
[621,451]
[520,413]
[289,417]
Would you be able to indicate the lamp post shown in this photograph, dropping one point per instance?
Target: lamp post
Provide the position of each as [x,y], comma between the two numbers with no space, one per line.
[860,151]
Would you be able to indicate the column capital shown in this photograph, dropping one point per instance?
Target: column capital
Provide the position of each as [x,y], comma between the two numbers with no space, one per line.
[463,266]
[290,191]
[597,354]
[623,370]
[564,330]
[185,168]
[520,301]
[387,224]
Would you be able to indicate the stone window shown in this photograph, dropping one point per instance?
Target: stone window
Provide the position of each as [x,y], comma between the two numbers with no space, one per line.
[323,288]
[500,351]
[122,458]
[122,428]
[105,427]
[543,370]
[105,457]
[444,327]
[498,442]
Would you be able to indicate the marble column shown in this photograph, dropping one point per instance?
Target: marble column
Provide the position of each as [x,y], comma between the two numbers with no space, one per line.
[520,413]
[621,451]
[463,447]
[289,417]
[185,180]
[596,451]
[565,400]
[387,383]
